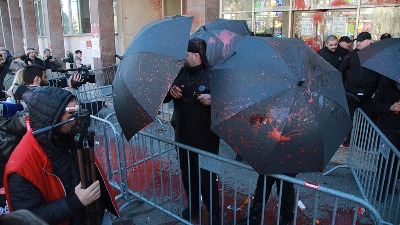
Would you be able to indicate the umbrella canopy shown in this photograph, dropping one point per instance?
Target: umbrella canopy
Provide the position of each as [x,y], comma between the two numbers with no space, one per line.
[235,26]
[147,70]
[221,36]
[383,57]
[279,105]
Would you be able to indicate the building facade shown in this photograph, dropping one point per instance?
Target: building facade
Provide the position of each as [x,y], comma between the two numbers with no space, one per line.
[101,28]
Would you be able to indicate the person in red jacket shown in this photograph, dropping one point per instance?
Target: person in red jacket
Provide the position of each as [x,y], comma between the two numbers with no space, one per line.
[42,174]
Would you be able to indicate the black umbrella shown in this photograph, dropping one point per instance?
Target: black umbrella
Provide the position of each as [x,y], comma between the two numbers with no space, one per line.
[383,57]
[235,26]
[221,36]
[279,105]
[147,70]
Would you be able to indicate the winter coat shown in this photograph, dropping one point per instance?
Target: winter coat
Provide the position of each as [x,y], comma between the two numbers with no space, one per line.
[384,98]
[58,158]
[333,58]
[358,79]
[191,119]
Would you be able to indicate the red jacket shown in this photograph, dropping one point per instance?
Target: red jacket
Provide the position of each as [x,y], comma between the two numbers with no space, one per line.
[31,162]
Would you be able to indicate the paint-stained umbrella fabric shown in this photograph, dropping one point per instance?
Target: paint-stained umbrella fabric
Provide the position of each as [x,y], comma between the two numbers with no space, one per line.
[279,105]
[219,42]
[235,26]
[147,70]
[221,36]
[383,57]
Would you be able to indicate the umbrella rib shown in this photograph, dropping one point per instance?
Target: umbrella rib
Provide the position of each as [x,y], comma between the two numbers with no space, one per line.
[183,59]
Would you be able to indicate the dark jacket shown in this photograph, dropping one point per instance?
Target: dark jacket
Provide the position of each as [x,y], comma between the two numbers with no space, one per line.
[45,111]
[4,69]
[385,97]
[357,78]
[333,58]
[191,119]
[35,61]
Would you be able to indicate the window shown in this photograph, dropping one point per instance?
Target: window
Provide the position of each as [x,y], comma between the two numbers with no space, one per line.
[39,18]
[174,7]
[75,16]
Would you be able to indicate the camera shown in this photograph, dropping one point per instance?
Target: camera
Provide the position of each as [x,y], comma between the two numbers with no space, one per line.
[87,75]
[69,58]
[8,109]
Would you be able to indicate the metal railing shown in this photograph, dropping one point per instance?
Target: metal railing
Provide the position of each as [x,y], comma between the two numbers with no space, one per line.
[147,168]
[374,162]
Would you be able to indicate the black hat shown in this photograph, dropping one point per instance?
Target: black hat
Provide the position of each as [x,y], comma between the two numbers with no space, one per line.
[385,36]
[197,45]
[363,36]
[345,39]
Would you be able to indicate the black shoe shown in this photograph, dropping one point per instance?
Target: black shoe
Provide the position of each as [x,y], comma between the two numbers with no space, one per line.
[186,213]
[253,220]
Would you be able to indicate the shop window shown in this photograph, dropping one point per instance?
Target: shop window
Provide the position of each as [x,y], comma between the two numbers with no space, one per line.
[379,2]
[236,5]
[265,4]
[314,27]
[239,16]
[39,18]
[75,17]
[380,20]
[174,7]
[338,3]
[273,23]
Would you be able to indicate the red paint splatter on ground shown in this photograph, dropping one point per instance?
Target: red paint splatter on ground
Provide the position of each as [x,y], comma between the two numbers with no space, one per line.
[299,4]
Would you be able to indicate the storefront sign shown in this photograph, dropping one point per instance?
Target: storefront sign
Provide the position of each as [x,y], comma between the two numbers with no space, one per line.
[95,48]
[307,27]
[339,26]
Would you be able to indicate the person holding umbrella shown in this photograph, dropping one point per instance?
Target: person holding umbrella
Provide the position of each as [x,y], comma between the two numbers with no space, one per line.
[387,105]
[191,121]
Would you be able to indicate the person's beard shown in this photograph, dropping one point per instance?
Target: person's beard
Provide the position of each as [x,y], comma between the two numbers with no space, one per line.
[64,139]
[42,83]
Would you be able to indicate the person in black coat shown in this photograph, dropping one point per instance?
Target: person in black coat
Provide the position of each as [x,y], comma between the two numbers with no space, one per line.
[332,52]
[191,121]
[360,82]
[32,58]
[387,105]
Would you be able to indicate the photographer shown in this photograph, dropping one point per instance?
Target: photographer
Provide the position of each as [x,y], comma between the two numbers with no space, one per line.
[49,62]
[42,176]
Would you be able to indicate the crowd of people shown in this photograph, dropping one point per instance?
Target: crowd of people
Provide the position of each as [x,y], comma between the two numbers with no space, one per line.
[42,176]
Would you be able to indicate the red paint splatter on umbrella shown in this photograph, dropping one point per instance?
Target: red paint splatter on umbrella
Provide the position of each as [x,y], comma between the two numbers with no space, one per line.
[276,135]
[226,37]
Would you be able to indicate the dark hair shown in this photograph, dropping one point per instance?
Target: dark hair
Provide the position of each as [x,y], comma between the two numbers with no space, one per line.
[78,51]
[45,50]
[30,72]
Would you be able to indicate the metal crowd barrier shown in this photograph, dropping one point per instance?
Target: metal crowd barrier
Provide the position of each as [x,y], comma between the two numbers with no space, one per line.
[374,162]
[107,150]
[147,169]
